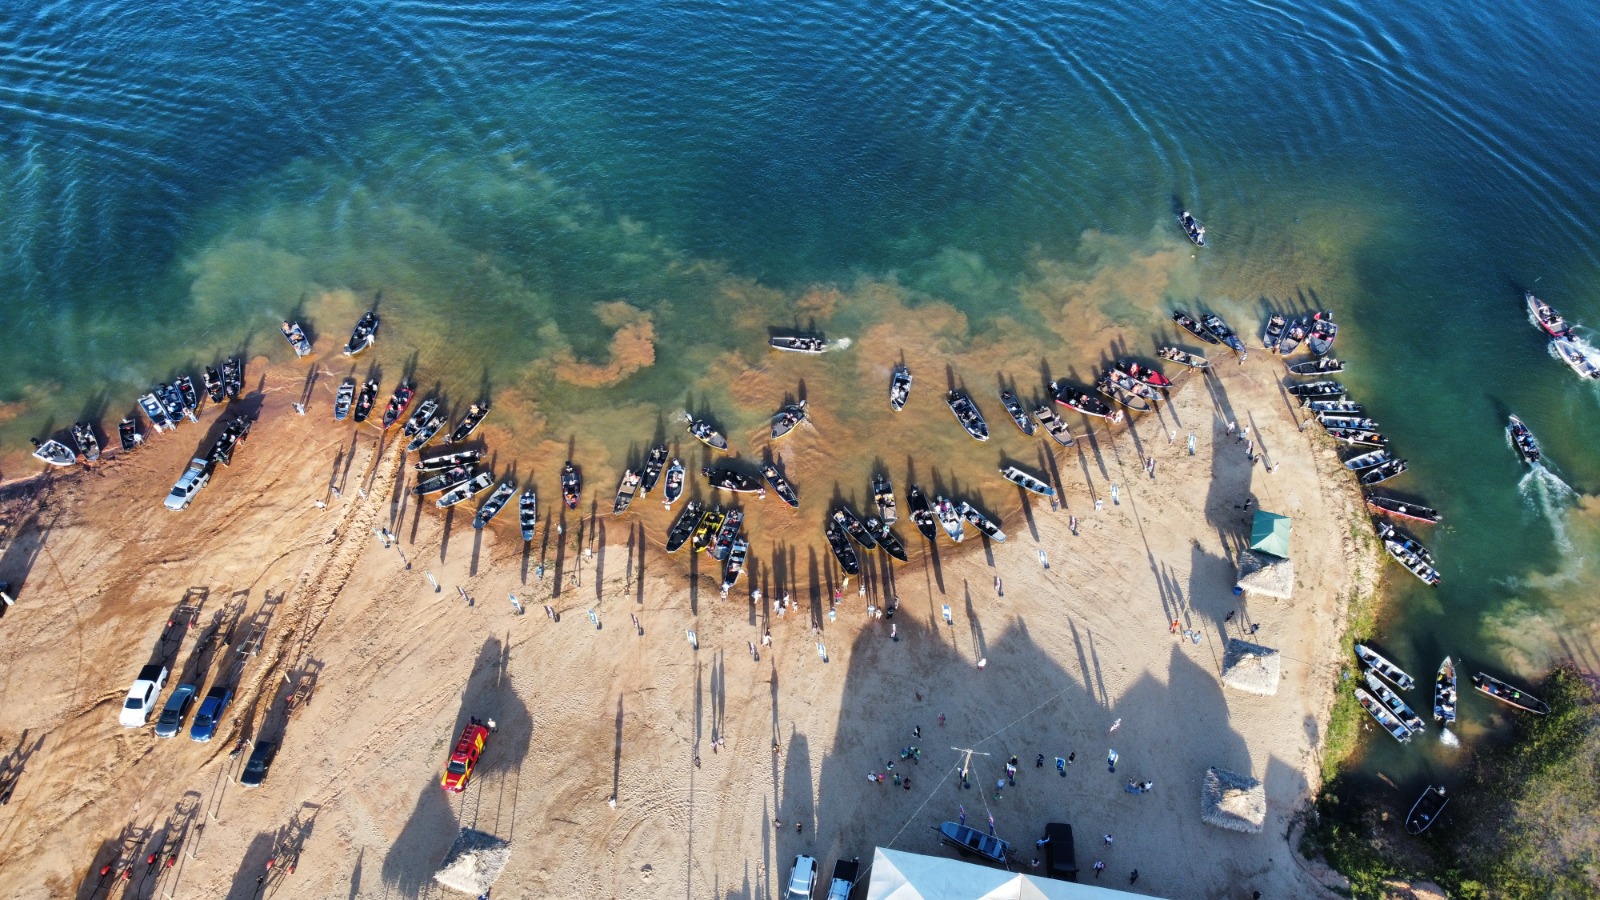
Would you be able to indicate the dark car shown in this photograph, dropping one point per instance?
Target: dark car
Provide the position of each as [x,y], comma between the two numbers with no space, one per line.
[255,771]
[1060,858]
[171,721]
[210,713]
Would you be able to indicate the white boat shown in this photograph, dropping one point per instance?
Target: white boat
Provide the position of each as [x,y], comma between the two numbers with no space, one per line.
[1574,355]
[1444,692]
[528,512]
[949,518]
[1384,667]
[54,452]
[466,491]
[1027,482]
[1384,717]
[1399,707]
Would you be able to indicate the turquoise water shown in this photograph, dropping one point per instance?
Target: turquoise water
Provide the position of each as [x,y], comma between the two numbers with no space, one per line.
[595,214]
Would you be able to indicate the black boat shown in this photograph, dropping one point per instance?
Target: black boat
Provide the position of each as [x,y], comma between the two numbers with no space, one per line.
[899,388]
[343,400]
[1318,389]
[365,399]
[887,539]
[1325,365]
[968,841]
[232,436]
[426,432]
[653,464]
[128,431]
[1394,506]
[730,480]
[922,514]
[1505,693]
[853,527]
[702,431]
[1192,228]
[781,485]
[571,485]
[296,336]
[465,491]
[420,417]
[468,424]
[1053,425]
[799,343]
[1274,332]
[1523,442]
[447,460]
[984,523]
[156,412]
[967,414]
[1183,357]
[735,564]
[1082,401]
[1214,324]
[683,527]
[398,402]
[1292,336]
[88,445]
[1019,415]
[528,513]
[726,534]
[1193,327]
[1380,474]
[1323,331]
[212,379]
[674,487]
[191,397]
[233,377]
[1426,810]
[172,401]
[1358,437]
[496,502]
[788,419]
[366,331]
[840,545]
[883,497]
[625,491]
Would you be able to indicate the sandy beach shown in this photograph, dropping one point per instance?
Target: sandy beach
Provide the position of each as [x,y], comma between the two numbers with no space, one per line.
[724,760]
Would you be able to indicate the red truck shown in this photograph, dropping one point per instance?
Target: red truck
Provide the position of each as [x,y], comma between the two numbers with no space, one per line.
[464,758]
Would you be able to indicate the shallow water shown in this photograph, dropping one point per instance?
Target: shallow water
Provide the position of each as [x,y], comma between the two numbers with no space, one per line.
[594,218]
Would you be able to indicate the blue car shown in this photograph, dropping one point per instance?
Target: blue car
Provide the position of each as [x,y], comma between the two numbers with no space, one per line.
[171,721]
[205,721]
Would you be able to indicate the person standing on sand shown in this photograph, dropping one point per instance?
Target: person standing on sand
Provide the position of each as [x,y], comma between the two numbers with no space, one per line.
[1099,866]
[1133,877]
[1175,624]
[1039,763]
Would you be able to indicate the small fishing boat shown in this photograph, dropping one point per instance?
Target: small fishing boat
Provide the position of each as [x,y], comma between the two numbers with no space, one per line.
[1426,810]
[54,452]
[128,432]
[967,414]
[468,424]
[496,502]
[781,485]
[1576,357]
[1544,316]
[1311,368]
[724,479]
[296,336]
[1125,391]
[701,430]
[444,481]
[1183,358]
[625,491]
[420,416]
[735,564]
[653,465]
[426,432]
[1192,228]
[1190,325]
[398,402]
[155,412]
[215,389]
[706,531]
[1367,460]
[1317,389]
[344,399]
[1505,693]
[365,399]
[683,526]
[528,513]
[232,436]
[1323,331]
[1334,407]
[840,545]
[984,523]
[1374,660]
[1214,324]
[1143,374]
[88,444]
[233,377]
[1332,420]
[365,333]
[1274,332]
[1402,711]
[1389,533]
[1027,482]
[949,518]
[466,491]
[887,539]
[1357,437]
[571,485]
[970,840]
[1053,425]
[1444,692]
[854,527]
[447,460]
[727,533]
[172,401]
[1018,414]
[799,343]
[191,397]
[883,496]
[1381,473]
[1292,336]
[1383,716]
[1082,401]
[922,514]
[899,388]
[788,419]
[1394,506]
[1522,441]
[674,487]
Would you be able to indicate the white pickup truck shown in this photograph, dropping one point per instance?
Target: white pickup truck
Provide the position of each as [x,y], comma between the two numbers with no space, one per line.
[193,479]
[845,873]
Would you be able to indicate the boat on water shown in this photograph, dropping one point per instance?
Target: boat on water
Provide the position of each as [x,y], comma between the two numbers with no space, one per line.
[1426,810]
[1394,506]
[1125,391]
[398,403]
[727,533]
[1183,358]
[233,377]
[1026,481]
[211,379]
[571,485]
[799,343]
[88,444]
[528,513]
[899,388]
[1214,324]
[1396,728]
[684,526]
[420,416]
[705,532]
[155,412]
[344,399]
[1367,460]
[1444,692]
[128,433]
[1387,532]
[950,518]
[1402,711]
[1018,414]
[674,486]
[1143,374]
[1192,228]
[1190,325]
[854,527]
[1511,696]
[1378,663]
[172,402]
[653,466]
[625,491]
[1334,407]
[1333,420]
[447,460]
[734,567]
[1323,365]
[781,486]
[365,399]
[725,479]
[232,436]
[1357,437]
[701,430]
[1545,317]
[840,545]
[1293,334]
[468,424]
[1274,332]
[922,514]
[296,336]
[788,419]
[883,497]
[967,841]
[191,397]
[887,539]
[1323,331]
[496,502]
[1576,357]
[1053,425]
[426,432]
[1082,401]
[450,478]
[1523,441]
[967,414]
[54,452]
[363,335]
[465,491]
[984,523]
[1317,390]
[1381,473]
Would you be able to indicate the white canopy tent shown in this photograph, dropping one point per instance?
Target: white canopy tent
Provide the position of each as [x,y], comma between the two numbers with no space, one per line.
[898,875]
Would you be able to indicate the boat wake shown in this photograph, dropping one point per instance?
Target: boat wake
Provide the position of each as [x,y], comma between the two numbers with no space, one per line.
[1551,497]
[1448,738]
[842,343]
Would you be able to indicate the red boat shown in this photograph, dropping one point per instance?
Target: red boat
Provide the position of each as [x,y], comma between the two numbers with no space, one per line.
[398,404]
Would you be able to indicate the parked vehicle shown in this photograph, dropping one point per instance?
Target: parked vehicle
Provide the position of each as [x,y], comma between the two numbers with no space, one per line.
[260,763]
[141,699]
[197,476]
[171,721]
[802,878]
[465,756]
[204,727]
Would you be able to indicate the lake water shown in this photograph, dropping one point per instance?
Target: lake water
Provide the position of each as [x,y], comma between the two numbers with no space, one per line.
[594,214]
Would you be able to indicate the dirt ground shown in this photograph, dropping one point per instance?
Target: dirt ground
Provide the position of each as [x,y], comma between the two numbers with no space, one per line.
[725,760]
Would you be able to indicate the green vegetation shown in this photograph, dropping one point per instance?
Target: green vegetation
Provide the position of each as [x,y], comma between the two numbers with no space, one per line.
[1361,615]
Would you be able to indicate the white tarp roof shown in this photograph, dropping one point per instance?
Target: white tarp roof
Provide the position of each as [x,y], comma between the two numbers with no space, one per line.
[898,875]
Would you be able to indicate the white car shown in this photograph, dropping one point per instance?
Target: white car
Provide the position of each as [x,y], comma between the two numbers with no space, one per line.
[142,696]
[802,879]
[193,479]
